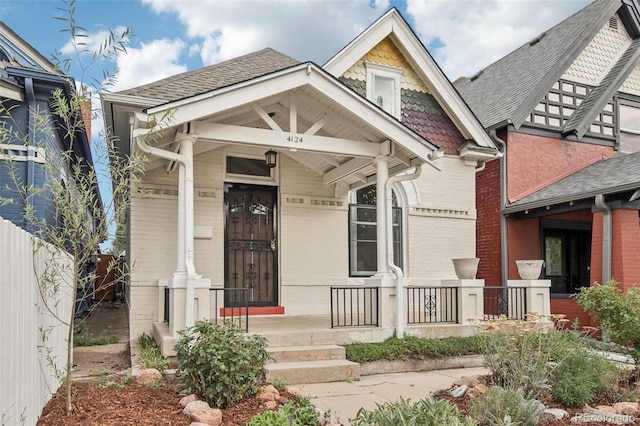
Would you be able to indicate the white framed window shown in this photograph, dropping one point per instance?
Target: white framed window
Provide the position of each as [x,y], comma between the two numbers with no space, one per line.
[630,119]
[629,125]
[363,248]
[383,87]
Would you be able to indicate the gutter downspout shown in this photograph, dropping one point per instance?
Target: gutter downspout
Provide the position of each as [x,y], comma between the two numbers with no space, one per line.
[185,268]
[31,125]
[504,243]
[392,266]
[607,222]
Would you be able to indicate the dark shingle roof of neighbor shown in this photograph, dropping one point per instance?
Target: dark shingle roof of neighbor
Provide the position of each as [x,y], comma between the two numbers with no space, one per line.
[205,79]
[498,91]
[607,176]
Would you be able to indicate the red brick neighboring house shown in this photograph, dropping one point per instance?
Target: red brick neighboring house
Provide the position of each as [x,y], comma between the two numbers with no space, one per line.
[566,109]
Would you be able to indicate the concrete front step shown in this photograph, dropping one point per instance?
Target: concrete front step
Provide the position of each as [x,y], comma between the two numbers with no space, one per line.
[281,354]
[322,371]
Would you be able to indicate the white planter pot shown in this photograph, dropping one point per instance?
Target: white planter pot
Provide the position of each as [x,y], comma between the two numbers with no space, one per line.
[466,268]
[530,269]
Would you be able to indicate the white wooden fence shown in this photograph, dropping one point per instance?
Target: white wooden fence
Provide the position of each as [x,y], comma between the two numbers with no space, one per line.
[33,343]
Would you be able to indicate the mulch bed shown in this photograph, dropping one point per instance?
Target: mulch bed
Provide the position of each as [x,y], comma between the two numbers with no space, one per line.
[134,404]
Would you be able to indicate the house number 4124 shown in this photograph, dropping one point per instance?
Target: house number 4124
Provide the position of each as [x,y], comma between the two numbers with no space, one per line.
[294,139]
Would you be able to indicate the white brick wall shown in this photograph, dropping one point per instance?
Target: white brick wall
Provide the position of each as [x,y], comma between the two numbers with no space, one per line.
[313,226]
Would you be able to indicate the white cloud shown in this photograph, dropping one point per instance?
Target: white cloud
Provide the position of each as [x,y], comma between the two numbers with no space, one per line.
[304,29]
[476,33]
[150,62]
[90,43]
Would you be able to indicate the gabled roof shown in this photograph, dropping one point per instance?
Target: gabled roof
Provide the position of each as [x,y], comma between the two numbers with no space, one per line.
[20,53]
[506,91]
[393,25]
[206,79]
[609,176]
[342,131]
[597,99]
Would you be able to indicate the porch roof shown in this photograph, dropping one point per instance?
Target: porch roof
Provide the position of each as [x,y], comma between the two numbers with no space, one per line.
[342,132]
[609,176]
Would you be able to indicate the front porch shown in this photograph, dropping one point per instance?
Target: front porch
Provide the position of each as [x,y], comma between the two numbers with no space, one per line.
[368,314]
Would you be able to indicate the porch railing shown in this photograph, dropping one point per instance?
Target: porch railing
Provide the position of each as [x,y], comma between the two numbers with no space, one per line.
[428,305]
[505,301]
[354,307]
[231,306]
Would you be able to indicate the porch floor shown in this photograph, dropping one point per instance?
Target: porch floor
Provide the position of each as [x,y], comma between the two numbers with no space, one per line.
[308,330]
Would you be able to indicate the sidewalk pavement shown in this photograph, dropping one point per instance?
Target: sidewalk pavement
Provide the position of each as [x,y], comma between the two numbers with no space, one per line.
[345,399]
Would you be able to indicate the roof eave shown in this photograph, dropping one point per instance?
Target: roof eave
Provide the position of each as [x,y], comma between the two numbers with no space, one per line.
[569,198]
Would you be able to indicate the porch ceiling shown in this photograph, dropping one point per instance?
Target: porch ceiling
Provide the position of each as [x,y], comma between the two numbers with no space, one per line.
[339,144]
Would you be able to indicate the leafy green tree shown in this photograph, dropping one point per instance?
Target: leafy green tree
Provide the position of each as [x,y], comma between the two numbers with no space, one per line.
[65,213]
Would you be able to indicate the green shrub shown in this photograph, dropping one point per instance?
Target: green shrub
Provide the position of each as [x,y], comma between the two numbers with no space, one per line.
[425,412]
[617,312]
[523,354]
[580,376]
[412,347]
[500,407]
[220,363]
[290,414]
[150,355]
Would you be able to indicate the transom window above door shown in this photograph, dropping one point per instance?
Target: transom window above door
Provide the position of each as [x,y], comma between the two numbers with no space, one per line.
[247,168]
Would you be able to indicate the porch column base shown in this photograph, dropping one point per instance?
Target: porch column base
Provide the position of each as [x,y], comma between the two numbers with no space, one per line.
[470,299]
[178,298]
[537,295]
[386,298]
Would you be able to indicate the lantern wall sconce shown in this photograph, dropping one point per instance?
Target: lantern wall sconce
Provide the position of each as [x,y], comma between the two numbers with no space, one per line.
[270,158]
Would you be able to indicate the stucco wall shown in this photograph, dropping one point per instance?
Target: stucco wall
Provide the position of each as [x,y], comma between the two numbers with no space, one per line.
[534,162]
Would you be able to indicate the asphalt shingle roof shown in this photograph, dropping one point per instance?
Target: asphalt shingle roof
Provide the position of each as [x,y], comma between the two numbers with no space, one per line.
[604,177]
[206,79]
[499,91]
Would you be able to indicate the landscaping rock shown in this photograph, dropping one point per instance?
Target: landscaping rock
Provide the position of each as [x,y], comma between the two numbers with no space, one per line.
[602,414]
[149,376]
[469,381]
[460,391]
[628,408]
[266,397]
[209,416]
[606,409]
[295,391]
[555,413]
[194,406]
[187,399]
[271,405]
[270,389]
[479,389]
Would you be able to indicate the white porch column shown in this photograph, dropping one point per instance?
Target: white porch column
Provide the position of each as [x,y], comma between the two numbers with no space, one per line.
[188,291]
[470,299]
[383,277]
[382,174]
[536,294]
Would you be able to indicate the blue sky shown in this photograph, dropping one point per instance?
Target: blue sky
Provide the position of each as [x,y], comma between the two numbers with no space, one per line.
[173,36]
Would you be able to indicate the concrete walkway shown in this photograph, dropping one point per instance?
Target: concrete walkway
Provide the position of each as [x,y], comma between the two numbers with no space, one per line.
[345,399]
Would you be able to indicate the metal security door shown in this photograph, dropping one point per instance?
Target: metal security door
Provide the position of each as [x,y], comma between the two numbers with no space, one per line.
[251,245]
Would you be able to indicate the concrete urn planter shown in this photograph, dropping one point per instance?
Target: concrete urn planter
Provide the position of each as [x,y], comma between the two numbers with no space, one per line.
[466,268]
[529,269]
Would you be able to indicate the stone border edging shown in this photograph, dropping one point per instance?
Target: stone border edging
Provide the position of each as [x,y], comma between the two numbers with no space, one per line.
[412,365]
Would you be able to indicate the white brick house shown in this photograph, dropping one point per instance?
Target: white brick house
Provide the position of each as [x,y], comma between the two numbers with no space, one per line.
[380,112]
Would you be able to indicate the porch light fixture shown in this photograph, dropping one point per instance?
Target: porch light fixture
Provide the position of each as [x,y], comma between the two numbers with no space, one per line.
[270,158]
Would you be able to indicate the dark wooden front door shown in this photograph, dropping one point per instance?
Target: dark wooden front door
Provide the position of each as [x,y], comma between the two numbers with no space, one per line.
[251,244]
[567,259]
